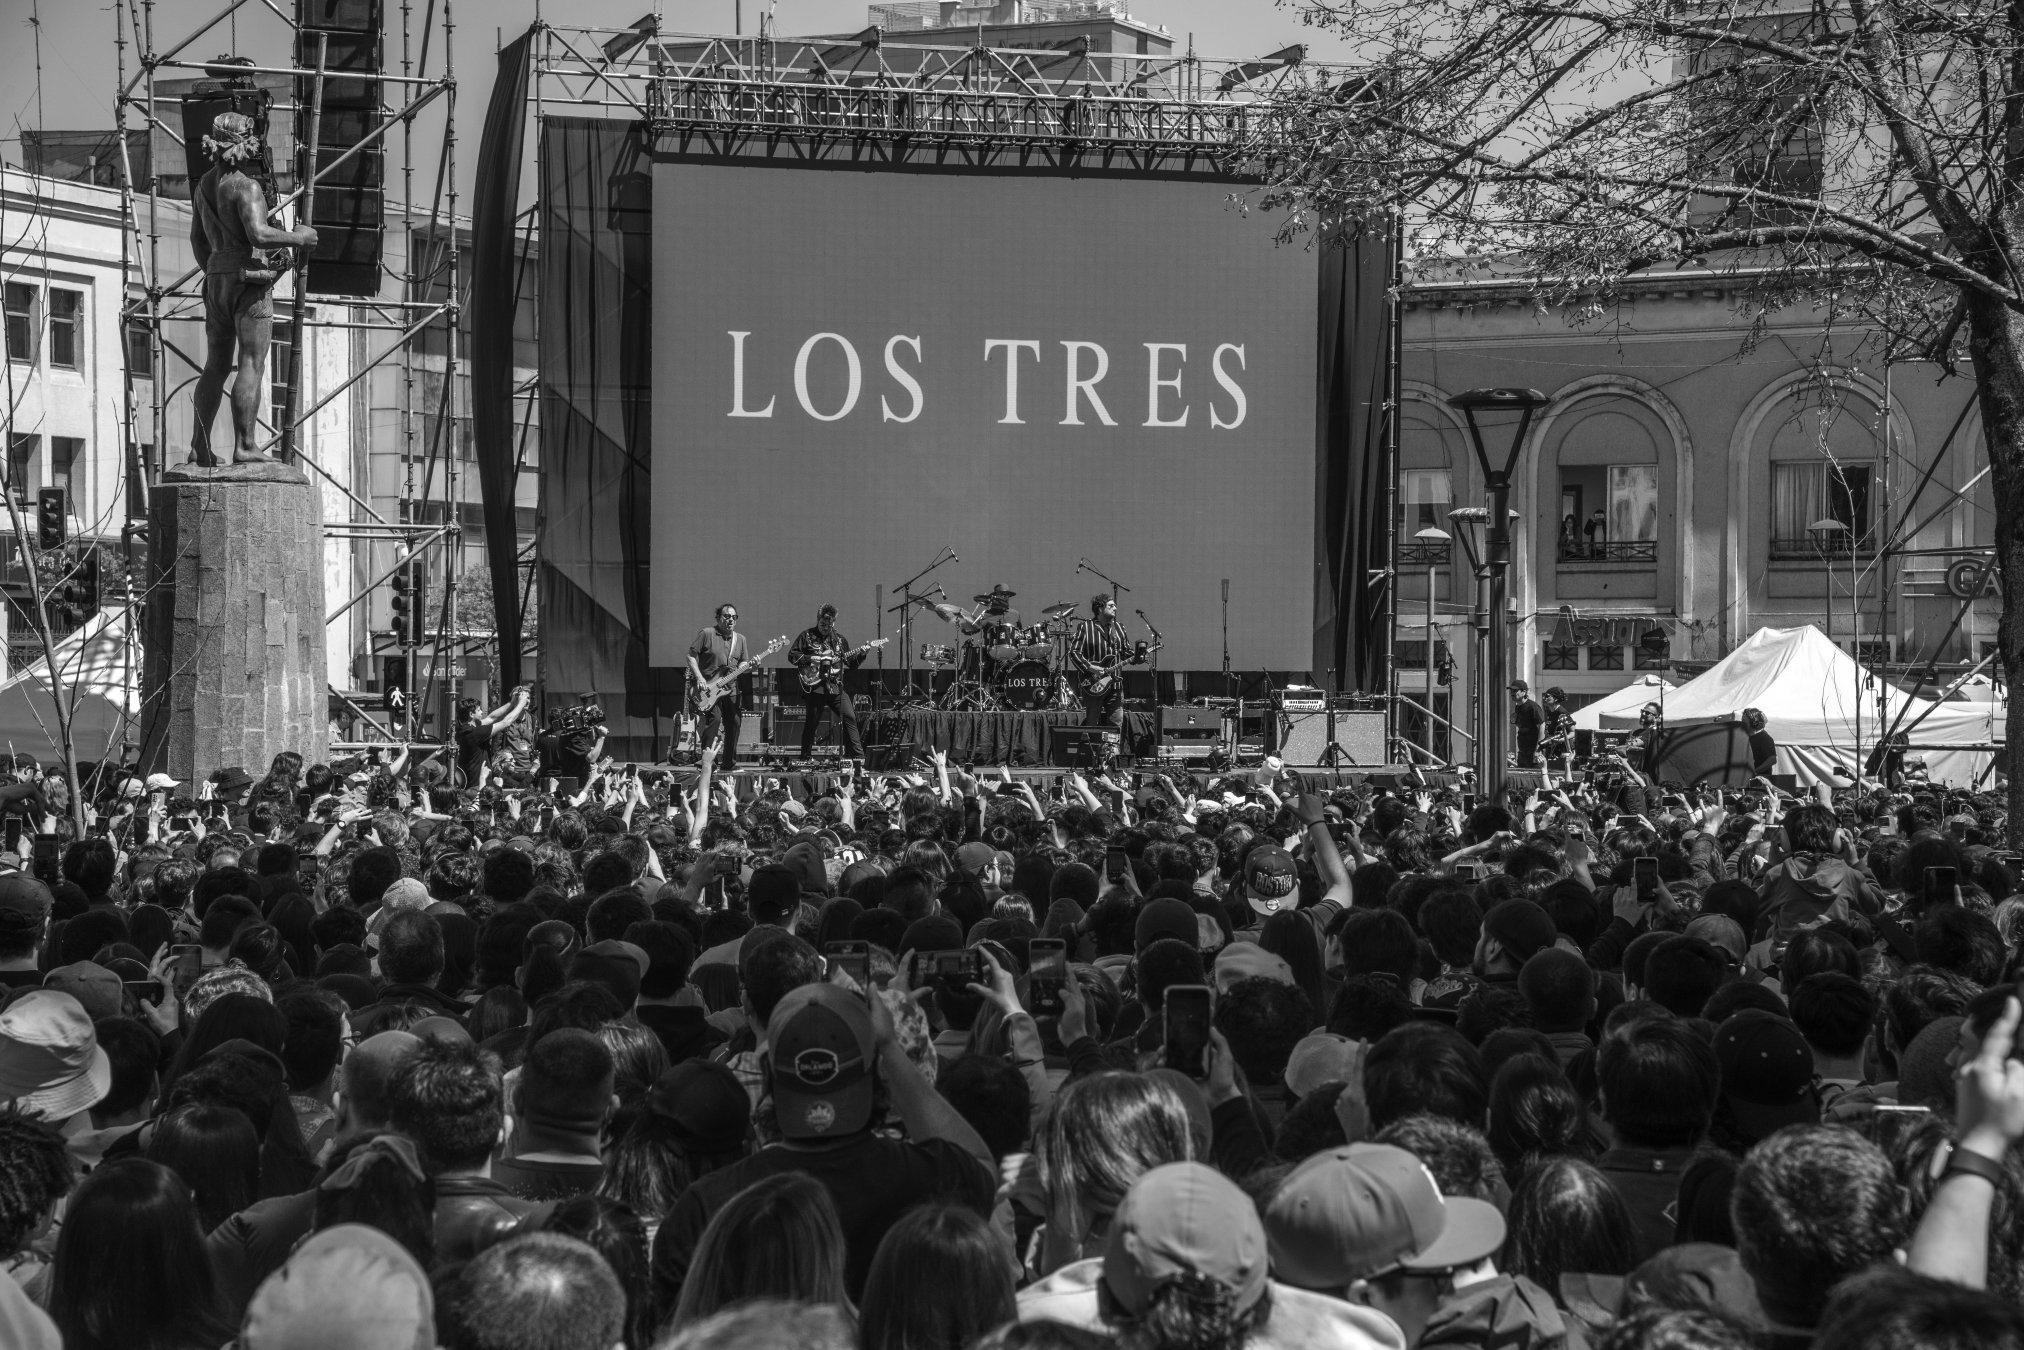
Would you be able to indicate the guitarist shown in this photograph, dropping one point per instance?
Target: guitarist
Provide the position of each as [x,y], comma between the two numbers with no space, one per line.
[1101,649]
[822,655]
[716,650]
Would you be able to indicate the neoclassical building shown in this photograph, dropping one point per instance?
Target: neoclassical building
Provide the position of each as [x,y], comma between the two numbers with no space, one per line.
[1684,477]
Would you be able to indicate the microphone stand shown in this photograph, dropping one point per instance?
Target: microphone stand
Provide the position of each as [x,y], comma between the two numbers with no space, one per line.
[906,612]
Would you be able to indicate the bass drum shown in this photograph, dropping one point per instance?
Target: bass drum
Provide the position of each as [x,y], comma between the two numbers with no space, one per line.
[1026,686]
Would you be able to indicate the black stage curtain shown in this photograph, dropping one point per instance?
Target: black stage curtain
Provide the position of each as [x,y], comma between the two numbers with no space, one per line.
[1022,739]
[495,204]
[596,375]
[1353,468]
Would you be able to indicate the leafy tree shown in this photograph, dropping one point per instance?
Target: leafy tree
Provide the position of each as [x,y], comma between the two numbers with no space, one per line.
[1863,156]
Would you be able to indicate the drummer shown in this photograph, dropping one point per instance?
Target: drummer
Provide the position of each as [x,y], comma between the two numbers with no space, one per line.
[994,620]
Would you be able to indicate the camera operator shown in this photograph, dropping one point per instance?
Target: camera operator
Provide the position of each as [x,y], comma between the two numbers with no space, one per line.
[579,742]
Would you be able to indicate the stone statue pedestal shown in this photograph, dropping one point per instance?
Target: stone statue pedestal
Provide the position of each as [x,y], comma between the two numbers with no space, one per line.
[235,670]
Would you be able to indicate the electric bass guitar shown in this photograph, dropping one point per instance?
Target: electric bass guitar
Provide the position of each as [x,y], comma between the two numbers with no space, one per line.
[703,695]
[822,665]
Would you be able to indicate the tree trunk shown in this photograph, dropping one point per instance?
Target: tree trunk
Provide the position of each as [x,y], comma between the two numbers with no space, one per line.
[1996,345]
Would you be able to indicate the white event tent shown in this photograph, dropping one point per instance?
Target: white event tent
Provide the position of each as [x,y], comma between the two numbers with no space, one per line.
[98,660]
[1626,702]
[1823,709]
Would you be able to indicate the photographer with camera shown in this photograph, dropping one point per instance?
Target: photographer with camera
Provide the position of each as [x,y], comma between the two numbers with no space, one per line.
[579,742]
[475,731]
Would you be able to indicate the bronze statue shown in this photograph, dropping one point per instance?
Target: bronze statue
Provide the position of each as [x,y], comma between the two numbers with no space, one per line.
[242,257]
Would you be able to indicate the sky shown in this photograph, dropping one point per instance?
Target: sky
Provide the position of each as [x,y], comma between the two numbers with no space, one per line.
[73,40]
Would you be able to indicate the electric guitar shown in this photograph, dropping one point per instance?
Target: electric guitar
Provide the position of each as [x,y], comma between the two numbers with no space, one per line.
[1136,655]
[822,665]
[704,694]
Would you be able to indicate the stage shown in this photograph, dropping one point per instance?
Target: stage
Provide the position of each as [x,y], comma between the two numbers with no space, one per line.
[1019,739]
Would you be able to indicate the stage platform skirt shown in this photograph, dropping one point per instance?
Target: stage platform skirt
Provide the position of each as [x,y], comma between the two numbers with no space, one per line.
[1019,739]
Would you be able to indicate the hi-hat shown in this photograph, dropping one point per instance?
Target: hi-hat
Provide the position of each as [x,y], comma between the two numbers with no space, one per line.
[1059,611]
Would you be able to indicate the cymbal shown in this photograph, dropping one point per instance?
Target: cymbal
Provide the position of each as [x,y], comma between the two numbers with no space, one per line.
[1059,611]
[947,613]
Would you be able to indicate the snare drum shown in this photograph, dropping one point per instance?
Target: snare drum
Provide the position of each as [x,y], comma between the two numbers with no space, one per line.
[938,654]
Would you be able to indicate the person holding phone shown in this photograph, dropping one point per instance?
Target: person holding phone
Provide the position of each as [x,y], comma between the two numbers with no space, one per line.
[1271,878]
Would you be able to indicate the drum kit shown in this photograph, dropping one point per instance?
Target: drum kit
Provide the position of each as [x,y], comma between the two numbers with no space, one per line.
[999,665]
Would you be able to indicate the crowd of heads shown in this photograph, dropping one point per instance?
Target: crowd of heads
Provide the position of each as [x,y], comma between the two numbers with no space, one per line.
[357,1056]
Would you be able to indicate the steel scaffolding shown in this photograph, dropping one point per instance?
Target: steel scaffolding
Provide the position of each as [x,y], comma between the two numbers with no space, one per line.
[431,473]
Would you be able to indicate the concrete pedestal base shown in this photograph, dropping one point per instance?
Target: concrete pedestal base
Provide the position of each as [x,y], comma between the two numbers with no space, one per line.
[235,669]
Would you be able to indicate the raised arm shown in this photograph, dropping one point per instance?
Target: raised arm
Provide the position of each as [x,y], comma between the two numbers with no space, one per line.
[1952,1239]
[1321,847]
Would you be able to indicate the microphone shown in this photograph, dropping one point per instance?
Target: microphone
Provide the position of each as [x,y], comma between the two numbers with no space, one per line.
[1141,613]
[1226,590]
[953,556]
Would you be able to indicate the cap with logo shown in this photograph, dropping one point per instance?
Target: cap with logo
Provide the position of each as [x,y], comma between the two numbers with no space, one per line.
[1767,1073]
[820,1051]
[1365,1210]
[50,1061]
[1184,1221]
[161,782]
[1271,881]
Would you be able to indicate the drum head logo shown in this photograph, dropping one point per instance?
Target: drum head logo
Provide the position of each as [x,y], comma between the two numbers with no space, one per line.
[817,1068]
[819,1116]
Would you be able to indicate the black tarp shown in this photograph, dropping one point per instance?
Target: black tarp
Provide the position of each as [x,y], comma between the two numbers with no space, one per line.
[1353,461]
[494,207]
[596,422]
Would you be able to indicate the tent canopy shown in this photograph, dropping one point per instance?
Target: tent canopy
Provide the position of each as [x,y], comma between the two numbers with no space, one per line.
[1822,707]
[98,659]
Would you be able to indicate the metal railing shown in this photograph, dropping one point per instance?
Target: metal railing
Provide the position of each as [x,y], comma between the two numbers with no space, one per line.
[1424,552]
[1809,549]
[1610,551]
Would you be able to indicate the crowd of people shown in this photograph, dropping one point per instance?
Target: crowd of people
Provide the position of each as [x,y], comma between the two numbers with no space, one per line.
[352,1057]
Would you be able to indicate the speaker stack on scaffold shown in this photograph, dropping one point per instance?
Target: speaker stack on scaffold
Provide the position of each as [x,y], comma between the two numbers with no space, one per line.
[348,208]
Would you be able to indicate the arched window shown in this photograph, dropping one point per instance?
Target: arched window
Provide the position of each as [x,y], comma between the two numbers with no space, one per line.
[1608,509]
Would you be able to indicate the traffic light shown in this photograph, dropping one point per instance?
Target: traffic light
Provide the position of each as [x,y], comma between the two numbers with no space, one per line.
[78,595]
[410,620]
[51,525]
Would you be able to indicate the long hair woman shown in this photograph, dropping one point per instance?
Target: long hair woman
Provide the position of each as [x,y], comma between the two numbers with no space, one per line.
[1107,1131]
[216,1151]
[1567,1216]
[941,1278]
[778,1238]
[131,1270]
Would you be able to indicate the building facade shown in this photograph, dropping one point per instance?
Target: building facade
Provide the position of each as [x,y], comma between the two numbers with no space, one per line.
[1691,476]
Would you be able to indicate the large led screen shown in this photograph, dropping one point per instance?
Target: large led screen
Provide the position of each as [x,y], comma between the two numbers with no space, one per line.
[856,369]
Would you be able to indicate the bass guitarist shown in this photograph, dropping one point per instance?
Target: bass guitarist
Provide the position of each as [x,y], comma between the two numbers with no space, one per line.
[822,654]
[1101,651]
[715,651]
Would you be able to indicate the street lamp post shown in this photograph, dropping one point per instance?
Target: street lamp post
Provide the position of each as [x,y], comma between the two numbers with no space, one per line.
[1429,537]
[1827,533]
[1491,750]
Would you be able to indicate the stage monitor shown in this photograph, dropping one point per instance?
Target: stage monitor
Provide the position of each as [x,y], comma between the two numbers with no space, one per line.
[854,369]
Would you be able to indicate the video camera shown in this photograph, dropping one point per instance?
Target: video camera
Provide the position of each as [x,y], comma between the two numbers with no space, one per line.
[580,718]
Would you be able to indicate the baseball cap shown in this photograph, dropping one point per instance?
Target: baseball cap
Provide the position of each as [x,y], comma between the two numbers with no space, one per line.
[975,856]
[1685,1276]
[21,893]
[1165,918]
[1184,1219]
[50,1061]
[1519,686]
[1243,960]
[1767,1073]
[1722,932]
[1365,1210]
[1522,927]
[348,1287]
[158,782]
[1271,881]
[631,951]
[1323,1058]
[707,1105]
[820,1052]
[91,984]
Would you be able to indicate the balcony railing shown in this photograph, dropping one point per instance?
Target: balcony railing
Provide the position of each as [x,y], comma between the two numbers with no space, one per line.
[1809,549]
[1610,551]
[1424,552]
